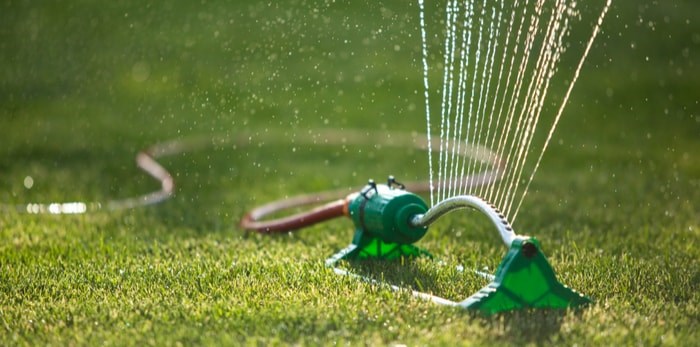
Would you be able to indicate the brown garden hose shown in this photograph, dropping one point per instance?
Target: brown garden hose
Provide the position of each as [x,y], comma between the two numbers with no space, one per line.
[255,219]
[330,204]
[251,221]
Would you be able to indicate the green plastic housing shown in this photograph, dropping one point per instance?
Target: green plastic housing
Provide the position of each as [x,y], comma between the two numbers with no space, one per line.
[384,213]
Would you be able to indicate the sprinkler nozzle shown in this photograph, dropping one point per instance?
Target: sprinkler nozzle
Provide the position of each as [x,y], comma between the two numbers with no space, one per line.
[529,250]
[385,212]
[382,215]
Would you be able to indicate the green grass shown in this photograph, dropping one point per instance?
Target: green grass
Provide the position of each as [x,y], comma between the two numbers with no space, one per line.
[84,86]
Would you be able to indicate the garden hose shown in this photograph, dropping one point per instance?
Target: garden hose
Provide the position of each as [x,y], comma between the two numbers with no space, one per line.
[147,162]
[337,207]
[330,210]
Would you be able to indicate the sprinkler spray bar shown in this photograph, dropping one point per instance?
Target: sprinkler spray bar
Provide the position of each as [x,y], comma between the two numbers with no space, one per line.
[467,201]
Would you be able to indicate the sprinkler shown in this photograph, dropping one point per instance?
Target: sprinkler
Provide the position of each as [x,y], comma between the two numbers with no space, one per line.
[389,219]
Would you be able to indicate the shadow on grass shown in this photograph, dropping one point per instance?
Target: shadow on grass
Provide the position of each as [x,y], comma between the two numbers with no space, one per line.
[405,273]
[420,274]
[524,326]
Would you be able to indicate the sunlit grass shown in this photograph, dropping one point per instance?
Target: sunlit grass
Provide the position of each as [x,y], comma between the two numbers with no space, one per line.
[84,87]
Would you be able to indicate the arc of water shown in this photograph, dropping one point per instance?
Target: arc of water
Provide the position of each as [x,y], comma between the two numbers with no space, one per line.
[551,52]
[469,28]
[446,95]
[526,116]
[489,143]
[506,85]
[475,77]
[426,94]
[483,98]
[519,112]
[577,72]
[480,74]
[491,191]
[461,94]
[515,100]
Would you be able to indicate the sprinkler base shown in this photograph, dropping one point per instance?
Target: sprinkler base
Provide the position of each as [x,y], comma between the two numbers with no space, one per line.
[524,280]
[388,220]
[369,247]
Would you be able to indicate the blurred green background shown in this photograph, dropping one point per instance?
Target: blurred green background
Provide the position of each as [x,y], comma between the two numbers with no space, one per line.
[85,85]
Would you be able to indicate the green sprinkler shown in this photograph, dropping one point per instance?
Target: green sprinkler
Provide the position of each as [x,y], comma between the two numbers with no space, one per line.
[388,221]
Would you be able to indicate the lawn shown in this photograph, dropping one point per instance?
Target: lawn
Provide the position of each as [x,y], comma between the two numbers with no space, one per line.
[84,86]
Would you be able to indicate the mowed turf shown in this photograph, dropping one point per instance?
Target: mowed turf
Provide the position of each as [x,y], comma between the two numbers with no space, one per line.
[84,86]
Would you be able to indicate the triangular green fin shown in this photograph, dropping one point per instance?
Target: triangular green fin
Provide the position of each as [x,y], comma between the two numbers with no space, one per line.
[524,279]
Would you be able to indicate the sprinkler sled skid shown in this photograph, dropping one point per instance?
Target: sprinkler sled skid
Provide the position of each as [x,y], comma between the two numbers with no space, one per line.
[388,220]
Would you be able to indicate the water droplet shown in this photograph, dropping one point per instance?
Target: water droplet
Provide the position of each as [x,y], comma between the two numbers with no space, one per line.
[140,72]
[28,182]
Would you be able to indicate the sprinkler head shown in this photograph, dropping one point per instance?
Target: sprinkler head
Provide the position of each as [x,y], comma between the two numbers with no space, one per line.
[382,214]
